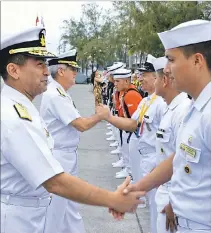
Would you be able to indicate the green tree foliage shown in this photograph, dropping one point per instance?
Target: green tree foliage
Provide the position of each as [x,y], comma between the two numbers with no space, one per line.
[102,37]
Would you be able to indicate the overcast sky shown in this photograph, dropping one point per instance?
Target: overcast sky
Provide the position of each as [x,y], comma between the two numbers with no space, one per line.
[20,15]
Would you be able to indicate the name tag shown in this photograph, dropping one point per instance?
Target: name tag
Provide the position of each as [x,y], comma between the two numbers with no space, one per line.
[190,151]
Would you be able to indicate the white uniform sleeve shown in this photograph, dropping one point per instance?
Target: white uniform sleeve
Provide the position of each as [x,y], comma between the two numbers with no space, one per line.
[177,118]
[135,115]
[63,109]
[29,154]
[160,109]
[206,126]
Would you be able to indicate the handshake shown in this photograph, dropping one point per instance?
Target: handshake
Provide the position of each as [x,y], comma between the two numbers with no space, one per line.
[126,199]
[103,112]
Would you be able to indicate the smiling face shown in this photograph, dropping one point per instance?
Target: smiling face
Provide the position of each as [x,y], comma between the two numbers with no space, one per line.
[148,82]
[67,76]
[70,75]
[30,77]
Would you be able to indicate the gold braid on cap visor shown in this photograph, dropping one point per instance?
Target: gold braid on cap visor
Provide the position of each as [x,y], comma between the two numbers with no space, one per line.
[72,63]
[33,50]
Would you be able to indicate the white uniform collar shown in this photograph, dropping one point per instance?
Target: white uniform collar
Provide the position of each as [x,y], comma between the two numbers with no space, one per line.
[150,96]
[14,95]
[58,85]
[203,98]
[177,100]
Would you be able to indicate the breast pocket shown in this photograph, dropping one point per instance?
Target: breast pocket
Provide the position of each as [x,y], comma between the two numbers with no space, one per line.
[163,137]
[193,168]
[163,146]
[148,119]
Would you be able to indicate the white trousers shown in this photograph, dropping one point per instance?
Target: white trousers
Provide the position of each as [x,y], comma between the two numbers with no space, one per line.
[148,162]
[125,151]
[161,199]
[62,214]
[135,159]
[21,219]
[116,134]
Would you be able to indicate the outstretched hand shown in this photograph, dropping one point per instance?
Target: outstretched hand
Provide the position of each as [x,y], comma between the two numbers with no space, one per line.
[132,196]
[103,111]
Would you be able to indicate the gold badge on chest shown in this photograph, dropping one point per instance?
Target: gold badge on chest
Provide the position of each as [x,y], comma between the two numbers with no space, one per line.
[22,112]
[187,169]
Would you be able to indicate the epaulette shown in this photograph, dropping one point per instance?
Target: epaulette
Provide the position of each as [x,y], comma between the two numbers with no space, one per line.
[61,92]
[22,112]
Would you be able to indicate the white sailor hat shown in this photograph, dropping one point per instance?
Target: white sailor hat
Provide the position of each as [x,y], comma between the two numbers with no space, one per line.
[191,32]
[121,73]
[148,65]
[160,63]
[68,58]
[115,67]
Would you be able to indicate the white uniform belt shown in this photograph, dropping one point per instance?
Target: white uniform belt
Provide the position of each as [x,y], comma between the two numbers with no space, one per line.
[188,224]
[25,201]
[147,150]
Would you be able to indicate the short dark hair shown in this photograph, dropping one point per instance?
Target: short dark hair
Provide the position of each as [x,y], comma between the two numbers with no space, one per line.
[18,59]
[204,48]
[160,73]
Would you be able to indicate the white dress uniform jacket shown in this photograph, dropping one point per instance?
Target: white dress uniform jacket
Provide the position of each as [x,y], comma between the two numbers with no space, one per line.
[147,147]
[58,111]
[166,146]
[26,162]
[190,192]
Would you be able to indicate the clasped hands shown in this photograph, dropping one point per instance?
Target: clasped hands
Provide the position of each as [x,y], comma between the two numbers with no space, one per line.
[103,111]
[128,200]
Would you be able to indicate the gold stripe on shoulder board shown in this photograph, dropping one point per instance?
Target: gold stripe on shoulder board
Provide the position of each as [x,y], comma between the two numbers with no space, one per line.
[22,112]
[61,92]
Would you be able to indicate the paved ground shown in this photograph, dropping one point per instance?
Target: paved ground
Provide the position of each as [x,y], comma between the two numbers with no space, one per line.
[95,167]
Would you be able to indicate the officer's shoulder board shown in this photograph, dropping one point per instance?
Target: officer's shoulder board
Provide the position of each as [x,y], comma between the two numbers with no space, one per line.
[61,92]
[22,112]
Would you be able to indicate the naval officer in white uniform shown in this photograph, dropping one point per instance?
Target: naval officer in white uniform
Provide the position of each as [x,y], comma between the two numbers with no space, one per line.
[64,123]
[28,169]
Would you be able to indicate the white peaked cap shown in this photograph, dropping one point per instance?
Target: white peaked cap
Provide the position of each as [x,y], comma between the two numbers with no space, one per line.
[70,53]
[122,73]
[191,32]
[160,63]
[31,34]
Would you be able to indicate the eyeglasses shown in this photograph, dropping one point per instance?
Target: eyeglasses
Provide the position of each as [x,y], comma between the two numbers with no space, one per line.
[74,69]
